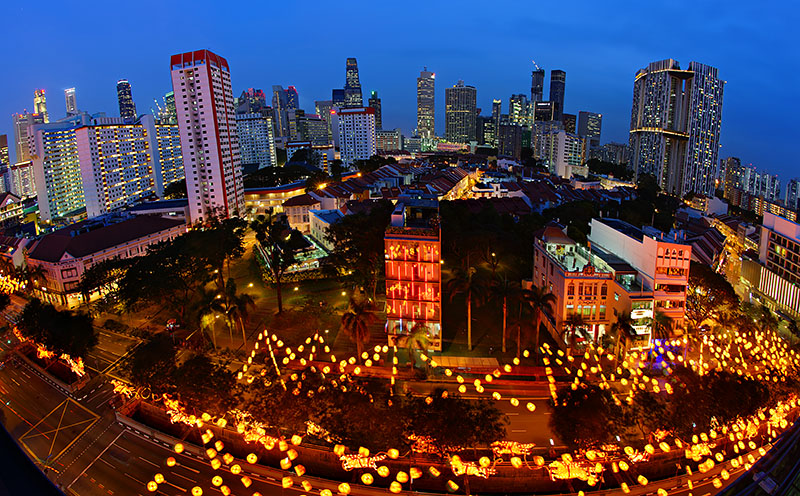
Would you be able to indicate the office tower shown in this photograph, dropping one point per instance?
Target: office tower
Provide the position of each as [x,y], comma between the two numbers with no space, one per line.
[570,122]
[675,124]
[537,85]
[40,105]
[793,193]
[204,99]
[562,151]
[487,132]
[324,109]
[4,149]
[116,164]
[388,140]
[352,86]
[71,103]
[337,97]
[127,109]
[22,134]
[509,141]
[168,114]
[733,176]
[518,110]
[292,98]
[256,139]
[589,126]
[251,100]
[375,102]
[558,82]
[460,111]
[544,111]
[280,107]
[426,108]
[355,133]
[22,182]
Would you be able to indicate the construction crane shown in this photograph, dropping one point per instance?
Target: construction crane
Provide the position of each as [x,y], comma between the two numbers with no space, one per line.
[536,65]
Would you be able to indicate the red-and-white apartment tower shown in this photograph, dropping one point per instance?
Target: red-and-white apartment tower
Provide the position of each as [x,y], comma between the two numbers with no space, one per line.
[201,81]
[413,272]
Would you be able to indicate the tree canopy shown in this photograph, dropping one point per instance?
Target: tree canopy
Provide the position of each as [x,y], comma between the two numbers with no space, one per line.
[708,296]
[60,331]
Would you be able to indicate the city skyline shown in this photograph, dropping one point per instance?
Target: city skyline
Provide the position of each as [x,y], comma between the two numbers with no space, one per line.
[601,83]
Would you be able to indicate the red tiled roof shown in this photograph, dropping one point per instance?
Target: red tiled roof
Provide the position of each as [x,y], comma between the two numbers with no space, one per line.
[300,200]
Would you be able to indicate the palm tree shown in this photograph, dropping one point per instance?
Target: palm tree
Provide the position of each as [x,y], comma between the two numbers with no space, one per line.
[620,329]
[235,308]
[356,321]
[507,289]
[539,300]
[418,339]
[465,281]
[574,324]
[275,237]
[662,325]
[207,309]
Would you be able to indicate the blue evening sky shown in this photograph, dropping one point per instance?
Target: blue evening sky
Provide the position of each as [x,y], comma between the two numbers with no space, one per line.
[54,44]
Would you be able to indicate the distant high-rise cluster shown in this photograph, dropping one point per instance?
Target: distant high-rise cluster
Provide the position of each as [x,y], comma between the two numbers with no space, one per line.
[675,125]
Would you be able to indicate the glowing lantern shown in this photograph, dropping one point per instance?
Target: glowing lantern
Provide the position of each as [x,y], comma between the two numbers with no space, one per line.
[401,477]
[452,486]
[344,488]
[516,462]
[514,401]
[362,451]
[152,486]
[225,490]
[246,481]
[530,406]
[415,473]
[717,483]
[171,462]
[299,470]
[216,480]
[286,463]
[197,491]
[236,469]
[662,492]
[625,488]
[383,471]
[538,460]
[228,458]
[462,389]
[367,478]
[623,465]
[219,445]
[395,487]
[287,482]
[434,471]
[338,450]
[296,440]
[216,464]
[252,458]
[306,485]
[642,480]
[393,453]
[664,446]
[211,452]
[325,492]
[484,461]
[649,448]
[283,445]
[292,454]
[178,448]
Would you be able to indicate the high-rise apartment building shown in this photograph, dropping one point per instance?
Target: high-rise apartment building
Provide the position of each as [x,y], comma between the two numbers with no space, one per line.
[562,151]
[127,109]
[22,181]
[793,193]
[22,134]
[168,164]
[460,113]
[70,101]
[280,108]
[675,125]
[201,81]
[324,109]
[355,133]
[537,85]
[426,100]
[388,140]
[570,122]
[352,85]
[509,140]
[589,126]
[519,110]
[256,141]
[40,105]
[558,83]
[375,102]
[292,98]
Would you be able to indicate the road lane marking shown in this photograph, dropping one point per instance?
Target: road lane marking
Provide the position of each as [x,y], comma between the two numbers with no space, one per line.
[176,487]
[95,459]
[148,461]
[519,430]
[107,463]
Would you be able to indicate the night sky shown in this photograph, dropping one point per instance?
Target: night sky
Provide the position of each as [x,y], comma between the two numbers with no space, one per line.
[90,45]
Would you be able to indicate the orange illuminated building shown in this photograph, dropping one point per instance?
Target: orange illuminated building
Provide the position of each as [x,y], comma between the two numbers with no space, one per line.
[413,272]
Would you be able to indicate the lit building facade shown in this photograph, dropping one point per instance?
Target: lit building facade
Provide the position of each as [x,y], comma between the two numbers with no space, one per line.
[201,81]
[563,151]
[426,104]
[70,101]
[256,139]
[352,86]
[21,178]
[519,110]
[127,109]
[413,272]
[355,133]
[537,85]
[375,102]
[460,113]
[589,126]
[558,86]
[40,105]
[4,159]
[675,125]
[386,140]
[22,134]
[57,169]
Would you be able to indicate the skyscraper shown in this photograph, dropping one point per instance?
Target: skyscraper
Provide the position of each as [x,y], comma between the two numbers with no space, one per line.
[201,81]
[537,85]
[675,125]
[69,99]
[352,86]
[589,126]
[280,106]
[375,102]
[40,105]
[4,149]
[558,83]
[793,193]
[251,100]
[292,98]
[518,110]
[337,97]
[168,115]
[22,133]
[460,113]
[426,104]
[570,122]
[256,141]
[127,109]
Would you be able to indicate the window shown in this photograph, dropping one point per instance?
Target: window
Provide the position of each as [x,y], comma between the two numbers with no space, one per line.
[571,289]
